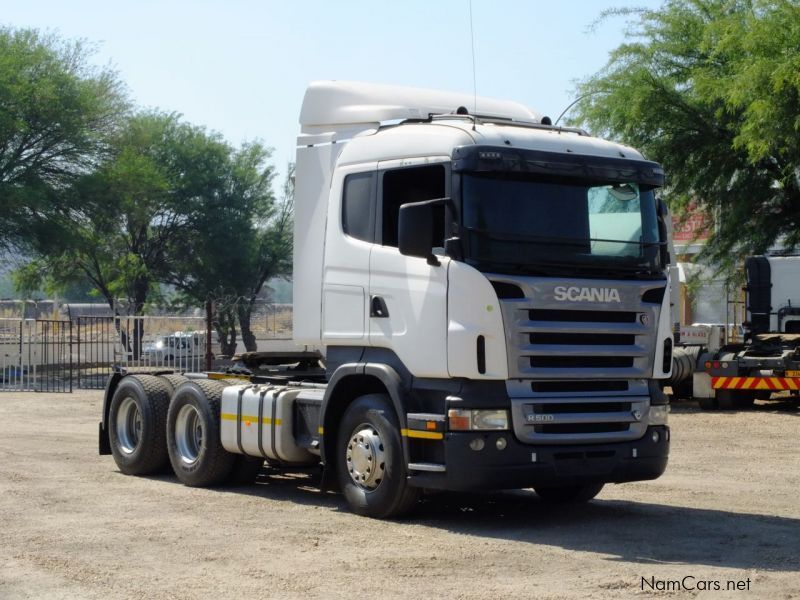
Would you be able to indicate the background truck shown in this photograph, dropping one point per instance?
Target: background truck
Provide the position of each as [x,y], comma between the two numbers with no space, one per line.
[489,293]
[764,359]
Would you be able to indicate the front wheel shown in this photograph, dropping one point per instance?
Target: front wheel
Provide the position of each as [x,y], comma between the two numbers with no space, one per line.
[569,493]
[369,460]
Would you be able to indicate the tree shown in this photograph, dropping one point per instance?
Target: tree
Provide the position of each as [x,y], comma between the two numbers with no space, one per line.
[711,89]
[240,239]
[116,222]
[56,113]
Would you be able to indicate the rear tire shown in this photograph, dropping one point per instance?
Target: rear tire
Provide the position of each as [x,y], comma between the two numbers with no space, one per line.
[193,435]
[569,494]
[370,464]
[137,424]
[174,380]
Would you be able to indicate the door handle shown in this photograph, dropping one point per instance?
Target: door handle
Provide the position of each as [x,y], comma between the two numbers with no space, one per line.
[378,308]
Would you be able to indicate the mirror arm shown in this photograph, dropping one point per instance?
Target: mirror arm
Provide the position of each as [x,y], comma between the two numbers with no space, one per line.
[433,202]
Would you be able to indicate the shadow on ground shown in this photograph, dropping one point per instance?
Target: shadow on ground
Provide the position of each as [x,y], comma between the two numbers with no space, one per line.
[789,405]
[626,531]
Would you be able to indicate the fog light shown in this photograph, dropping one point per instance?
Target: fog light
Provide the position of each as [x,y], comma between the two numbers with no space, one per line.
[476,444]
[501,443]
[655,437]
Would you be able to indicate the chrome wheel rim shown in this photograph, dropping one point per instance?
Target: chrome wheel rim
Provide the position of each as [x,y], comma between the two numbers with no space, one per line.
[366,458]
[129,425]
[188,434]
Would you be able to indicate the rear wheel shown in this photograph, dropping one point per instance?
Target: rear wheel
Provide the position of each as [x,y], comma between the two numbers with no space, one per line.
[137,424]
[174,380]
[193,435]
[569,493]
[369,460]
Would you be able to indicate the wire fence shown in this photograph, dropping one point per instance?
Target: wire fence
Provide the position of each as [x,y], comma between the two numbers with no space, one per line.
[52,354]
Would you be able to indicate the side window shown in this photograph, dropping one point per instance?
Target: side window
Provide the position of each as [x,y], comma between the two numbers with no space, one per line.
[358,208]
[414,184]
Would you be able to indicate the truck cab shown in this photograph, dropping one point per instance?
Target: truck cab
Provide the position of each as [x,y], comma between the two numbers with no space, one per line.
[502,280]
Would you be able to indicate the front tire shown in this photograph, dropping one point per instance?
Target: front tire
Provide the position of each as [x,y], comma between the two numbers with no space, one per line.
[369,460]
[569,494]
[137,425]
[193,435]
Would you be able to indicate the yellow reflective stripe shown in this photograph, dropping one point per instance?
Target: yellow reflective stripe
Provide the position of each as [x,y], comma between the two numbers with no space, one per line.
[425,435]
[748,383]
[762,385]
[791,383]
[232,417]
[218,376]
[718,382]
[320,430]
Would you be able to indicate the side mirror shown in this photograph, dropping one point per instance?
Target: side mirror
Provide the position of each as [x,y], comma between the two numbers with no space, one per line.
[415,230]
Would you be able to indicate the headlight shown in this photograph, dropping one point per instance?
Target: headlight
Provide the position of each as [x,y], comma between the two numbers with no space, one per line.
[477,420]
[659,414]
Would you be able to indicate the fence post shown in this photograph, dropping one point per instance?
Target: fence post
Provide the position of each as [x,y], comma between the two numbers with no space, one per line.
[209,354]
[70,356]
[79,349]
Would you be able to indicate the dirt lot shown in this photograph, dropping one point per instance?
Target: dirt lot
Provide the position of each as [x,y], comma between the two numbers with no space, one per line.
[72,526]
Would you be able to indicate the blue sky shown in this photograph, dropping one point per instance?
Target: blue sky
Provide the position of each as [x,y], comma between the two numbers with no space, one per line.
[241,67]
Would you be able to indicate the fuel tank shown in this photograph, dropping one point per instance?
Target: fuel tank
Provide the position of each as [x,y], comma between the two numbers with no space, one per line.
[257,420]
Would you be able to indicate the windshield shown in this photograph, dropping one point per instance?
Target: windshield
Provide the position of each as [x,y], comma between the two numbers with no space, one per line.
[513,225]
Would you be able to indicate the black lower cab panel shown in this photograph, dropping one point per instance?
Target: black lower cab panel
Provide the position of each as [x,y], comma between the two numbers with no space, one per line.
[513,465]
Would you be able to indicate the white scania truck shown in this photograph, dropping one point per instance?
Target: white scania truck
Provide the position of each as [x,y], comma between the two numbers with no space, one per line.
[490,294]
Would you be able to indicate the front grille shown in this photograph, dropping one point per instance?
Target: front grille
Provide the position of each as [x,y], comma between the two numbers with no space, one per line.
[556,343]
[581,362]
[569,407]
[585,339]
[565,387]
[582,316]
[574,419]
[578,428]
[577,368]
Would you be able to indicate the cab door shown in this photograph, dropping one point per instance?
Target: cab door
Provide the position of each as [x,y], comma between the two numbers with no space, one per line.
[348,242]
[407,301]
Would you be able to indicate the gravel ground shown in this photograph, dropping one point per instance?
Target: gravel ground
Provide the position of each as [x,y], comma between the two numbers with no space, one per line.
[72,526]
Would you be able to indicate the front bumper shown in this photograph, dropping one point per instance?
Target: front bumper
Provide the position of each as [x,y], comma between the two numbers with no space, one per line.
[523,465]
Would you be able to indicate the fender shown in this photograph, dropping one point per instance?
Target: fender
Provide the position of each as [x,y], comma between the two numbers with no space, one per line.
[104,446]
[394,385]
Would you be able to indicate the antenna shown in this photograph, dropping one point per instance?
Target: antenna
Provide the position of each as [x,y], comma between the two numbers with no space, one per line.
[474,77]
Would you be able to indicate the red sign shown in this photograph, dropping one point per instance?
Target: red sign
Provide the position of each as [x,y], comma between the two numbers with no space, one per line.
[696,227]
